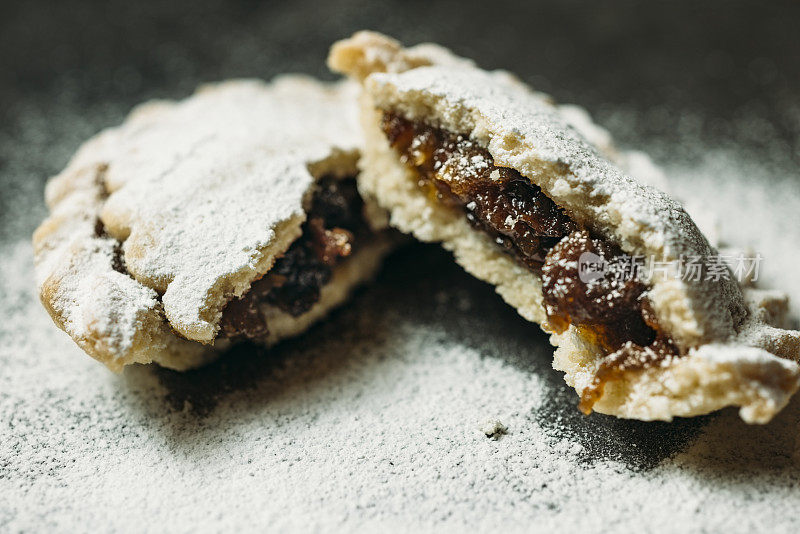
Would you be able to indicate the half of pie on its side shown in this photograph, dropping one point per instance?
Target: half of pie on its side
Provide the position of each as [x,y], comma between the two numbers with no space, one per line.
[230,215]
[535,203]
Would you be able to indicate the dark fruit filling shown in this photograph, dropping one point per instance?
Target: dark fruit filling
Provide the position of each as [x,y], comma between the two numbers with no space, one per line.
[612,309]
[497,200]
[334,227]
[612,303]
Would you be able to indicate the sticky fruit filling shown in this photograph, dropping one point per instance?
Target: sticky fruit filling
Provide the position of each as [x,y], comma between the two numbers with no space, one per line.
[612,310]
[333,230]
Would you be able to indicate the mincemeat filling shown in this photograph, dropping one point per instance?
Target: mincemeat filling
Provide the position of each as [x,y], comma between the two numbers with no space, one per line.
[334,228]
[613,310]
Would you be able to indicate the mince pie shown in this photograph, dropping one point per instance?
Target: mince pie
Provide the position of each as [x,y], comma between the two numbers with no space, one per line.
[540,205]
[231,215]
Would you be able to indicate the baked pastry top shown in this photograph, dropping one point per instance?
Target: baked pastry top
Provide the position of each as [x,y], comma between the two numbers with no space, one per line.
[159,227]
[521,190]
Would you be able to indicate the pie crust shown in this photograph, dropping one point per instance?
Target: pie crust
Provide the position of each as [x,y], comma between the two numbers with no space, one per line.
[157,224]
[731,349]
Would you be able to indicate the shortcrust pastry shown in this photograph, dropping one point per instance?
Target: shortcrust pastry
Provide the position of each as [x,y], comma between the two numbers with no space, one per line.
[230,215]
[523,195]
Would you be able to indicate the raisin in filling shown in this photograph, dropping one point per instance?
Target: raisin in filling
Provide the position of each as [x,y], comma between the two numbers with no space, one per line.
[333,229]
[613,310]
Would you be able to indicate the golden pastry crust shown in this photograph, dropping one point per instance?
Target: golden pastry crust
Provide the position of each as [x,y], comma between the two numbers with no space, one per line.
[732,357]
[196,199]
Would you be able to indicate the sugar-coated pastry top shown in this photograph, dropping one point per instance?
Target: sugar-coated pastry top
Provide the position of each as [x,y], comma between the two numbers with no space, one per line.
[732,354]
[524,130]
[202,194]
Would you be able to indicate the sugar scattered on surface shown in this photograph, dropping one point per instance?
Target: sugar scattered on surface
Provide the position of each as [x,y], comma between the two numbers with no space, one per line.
[377,428]
[374,418]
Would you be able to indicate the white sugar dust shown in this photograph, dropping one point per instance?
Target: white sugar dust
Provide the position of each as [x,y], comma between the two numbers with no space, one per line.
[387,417]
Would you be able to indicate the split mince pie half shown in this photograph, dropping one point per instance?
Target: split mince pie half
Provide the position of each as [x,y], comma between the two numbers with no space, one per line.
[540,205]
[231,215]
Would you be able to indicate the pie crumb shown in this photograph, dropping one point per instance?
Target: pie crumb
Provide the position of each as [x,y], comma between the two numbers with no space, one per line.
[493,429]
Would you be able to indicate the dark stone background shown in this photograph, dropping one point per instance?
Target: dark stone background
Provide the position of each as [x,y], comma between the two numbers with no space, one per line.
[68,69]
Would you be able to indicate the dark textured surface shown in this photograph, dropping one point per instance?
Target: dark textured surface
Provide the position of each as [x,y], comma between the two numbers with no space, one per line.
[71,68]
[68,69]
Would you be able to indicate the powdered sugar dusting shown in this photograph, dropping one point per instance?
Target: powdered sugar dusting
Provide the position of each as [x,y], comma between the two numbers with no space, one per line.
[203,194]
[308,446]
[198,206]
[525,131]
[385,427]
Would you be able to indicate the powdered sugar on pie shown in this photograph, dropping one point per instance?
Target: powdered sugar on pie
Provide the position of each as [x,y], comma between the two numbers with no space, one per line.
[157,224]
[725,352]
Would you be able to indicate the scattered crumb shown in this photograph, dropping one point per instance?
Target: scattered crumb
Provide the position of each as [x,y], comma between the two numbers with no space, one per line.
[494,429]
